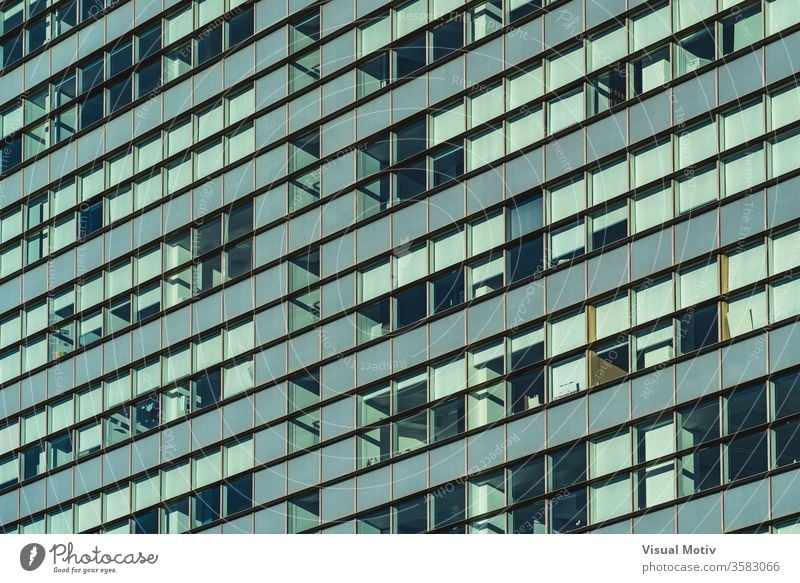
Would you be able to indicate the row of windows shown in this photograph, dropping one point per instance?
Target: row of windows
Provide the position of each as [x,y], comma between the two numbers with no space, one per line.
[604,460]
[114,173]
[184,279]
[41,29]
[745,124]
[92,107]
[482,364]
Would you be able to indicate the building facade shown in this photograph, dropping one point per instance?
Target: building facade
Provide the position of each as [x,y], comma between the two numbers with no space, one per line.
[428,266]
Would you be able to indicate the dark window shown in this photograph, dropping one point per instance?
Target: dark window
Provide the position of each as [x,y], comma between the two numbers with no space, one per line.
[410,139]
[149,42]
[608,90]
[92,75]
[448,165]
[700,470]
[698,329]
[120,59]
[568,466]
[92,109]
[411,180]
[528,519]
[119,94]
[240,258]
[238,494]
[698,423]
[786,395]
[12,50]
[32,462]
[206,506]
[747,456]
[787,443]
[240,27]
[13,19]
[90,219]
[240,221]
[36,6]
[527,480]
[373,75]
[410,305]
[208,236]
[12,153]
[525,259]
[526,391]
[37,34]
[207,390]
[447,38]
[146,522]
[448,505]
[147,414]
[746,408]
[90,9]
[305,150]
[209,44]
[521,8]
[447,419]
[448,290]
[148,78]
[411,517]
[530,353]
[410,57]
[568,511]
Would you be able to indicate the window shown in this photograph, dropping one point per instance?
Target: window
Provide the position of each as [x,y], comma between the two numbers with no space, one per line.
[565,110]
[373,75]
[448,38]
[650,26]
[485,277]
[698,329]
[607,46]
[780,14]
[741,29]
[650,71]
[611,316]
[744,313]
[240,27]
[743,124]
[746,266]
[567,243]
[695,51]
[696,144]
[567,377]
[607,91]
[653,346]
[699,188]
[564,67]
[410,56]
[484,19]
[744,170]
[567,199]
[524,86]
[745,407]
[609,225]
[651,163]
